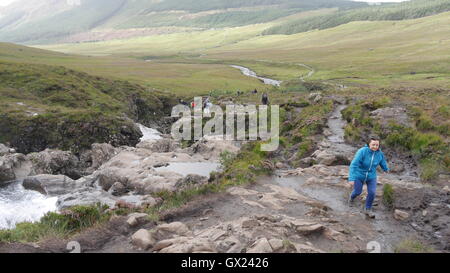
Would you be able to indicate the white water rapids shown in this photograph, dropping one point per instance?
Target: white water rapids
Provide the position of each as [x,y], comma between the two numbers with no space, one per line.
[20,205]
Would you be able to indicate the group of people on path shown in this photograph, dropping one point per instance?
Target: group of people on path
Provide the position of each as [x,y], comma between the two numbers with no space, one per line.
[362,170]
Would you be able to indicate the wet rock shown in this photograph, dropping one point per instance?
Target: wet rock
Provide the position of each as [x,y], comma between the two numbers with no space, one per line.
[142,239]
[446,189]
[401,215]
[55,162]
[52,185]
[261,246]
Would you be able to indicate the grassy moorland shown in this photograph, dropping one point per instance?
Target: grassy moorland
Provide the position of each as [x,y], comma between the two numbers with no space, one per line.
[380,53]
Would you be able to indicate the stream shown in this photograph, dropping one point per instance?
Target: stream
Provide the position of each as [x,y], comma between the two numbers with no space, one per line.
[18,204]
[247,72]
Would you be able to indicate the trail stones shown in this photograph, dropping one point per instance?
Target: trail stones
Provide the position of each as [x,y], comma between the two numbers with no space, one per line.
[401,215]
[306,228]
[261,246]
[136,219]
[276,244]
[142,239]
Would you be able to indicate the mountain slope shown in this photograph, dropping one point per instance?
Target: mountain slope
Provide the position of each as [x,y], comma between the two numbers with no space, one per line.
[401,11]
[52,20]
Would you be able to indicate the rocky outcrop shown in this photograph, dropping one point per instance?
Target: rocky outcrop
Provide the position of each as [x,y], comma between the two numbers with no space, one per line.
[12,167]
[55,162]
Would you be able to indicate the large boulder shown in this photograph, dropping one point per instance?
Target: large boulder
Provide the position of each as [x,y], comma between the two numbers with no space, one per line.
[55,162]
[52,185]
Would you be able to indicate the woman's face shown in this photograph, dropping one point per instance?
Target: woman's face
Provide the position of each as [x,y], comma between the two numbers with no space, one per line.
[374,145]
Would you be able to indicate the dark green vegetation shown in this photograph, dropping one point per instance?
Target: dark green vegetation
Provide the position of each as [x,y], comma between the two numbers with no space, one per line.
[59,225]
[401,11]
[205,5]
[21,25]
[388,195]
[55,107]
[426,138]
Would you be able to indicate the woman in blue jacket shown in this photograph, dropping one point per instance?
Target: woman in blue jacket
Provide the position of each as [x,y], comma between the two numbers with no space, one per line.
[363,169]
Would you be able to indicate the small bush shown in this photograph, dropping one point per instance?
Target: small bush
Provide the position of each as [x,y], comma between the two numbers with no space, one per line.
[413,246]
[388,196]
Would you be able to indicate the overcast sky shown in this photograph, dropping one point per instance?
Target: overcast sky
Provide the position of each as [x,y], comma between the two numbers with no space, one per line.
[6,2]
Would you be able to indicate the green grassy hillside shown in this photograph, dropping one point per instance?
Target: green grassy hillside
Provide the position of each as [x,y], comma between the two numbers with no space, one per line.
[54,107]
[402,11]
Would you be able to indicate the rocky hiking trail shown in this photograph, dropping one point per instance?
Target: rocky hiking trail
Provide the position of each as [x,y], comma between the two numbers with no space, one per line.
[301,210]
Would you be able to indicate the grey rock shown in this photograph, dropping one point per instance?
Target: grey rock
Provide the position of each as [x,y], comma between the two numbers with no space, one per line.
[401,215]
[117,189]
[12,167]
[52,185]
[55,162]
[143,239]
[261,246]
[3,150]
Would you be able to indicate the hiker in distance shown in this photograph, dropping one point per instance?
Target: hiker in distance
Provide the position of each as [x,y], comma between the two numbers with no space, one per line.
[265,99]
[363,169]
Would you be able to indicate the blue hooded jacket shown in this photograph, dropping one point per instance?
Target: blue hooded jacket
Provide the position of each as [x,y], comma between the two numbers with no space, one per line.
[364,165]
